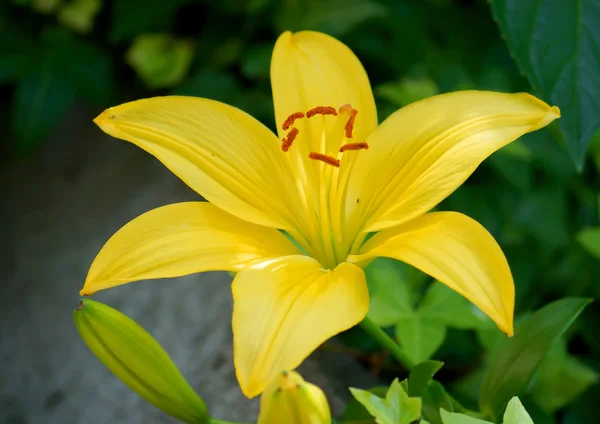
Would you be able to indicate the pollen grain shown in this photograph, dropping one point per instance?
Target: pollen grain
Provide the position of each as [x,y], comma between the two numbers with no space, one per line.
[354,146]
[325,158]
[321,110]
[290,120]
[287,141]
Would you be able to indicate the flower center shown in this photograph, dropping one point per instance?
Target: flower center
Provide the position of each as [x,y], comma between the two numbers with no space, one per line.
[346,110]
[322,154]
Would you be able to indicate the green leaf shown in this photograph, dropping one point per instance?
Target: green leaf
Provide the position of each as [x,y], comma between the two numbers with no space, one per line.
[420,336]
[41,99]
[138,360]
[396,408]
[434,400]
[421,375]
[516,413]
[79,15]
[391,297]
[456,418]
[560,379]
[557,46]
[160,60]
[444,304]
[355,411]
[335,17]
[589,238]
[515,362]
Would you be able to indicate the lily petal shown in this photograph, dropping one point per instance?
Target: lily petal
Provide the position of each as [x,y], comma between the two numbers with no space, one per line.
[222,153]
[424,151]
[182,239]
[284,309]
[457,251]
[310,69]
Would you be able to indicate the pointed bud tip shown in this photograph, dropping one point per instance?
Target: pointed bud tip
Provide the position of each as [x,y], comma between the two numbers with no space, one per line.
[80,306]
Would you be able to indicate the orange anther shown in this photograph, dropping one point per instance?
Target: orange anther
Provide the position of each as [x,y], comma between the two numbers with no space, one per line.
[321,110]
[324,158]
[354,146]
[290,120]
[287,141]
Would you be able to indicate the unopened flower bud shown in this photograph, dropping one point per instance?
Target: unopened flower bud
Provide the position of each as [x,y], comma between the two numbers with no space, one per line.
[291,400]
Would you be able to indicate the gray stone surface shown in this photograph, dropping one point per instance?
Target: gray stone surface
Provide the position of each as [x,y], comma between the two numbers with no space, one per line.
[59,207]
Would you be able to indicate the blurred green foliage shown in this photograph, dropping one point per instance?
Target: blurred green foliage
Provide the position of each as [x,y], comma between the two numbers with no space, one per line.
[530,194]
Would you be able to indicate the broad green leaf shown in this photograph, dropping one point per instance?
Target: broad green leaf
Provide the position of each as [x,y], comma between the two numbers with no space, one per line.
[421,375]
[420,336]
[456,418]
[160,60]
[514,363]
[560,379]
[557,46]
[41,99]
[335,17]
[444,304]
[589,238]
[396,408]
[138,360]
[391,297]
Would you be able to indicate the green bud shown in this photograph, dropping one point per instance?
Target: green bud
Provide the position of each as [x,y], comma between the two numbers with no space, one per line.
[291,400]
[138,360]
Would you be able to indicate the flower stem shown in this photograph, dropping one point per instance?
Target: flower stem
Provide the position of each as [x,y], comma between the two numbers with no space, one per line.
[386,341]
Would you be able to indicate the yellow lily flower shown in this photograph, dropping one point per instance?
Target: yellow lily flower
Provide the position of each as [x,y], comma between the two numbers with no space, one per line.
[330,179]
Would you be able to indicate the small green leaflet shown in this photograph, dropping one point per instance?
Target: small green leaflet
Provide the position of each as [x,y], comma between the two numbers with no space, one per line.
[396,408]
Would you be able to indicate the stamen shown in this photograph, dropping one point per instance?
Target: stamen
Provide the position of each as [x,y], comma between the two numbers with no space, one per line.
[287,141]
[354,146]
[321,110]
[350,124]
[324,158]
[290,120]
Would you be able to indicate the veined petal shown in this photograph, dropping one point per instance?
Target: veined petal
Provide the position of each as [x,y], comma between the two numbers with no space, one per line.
[284,309]
[219,151]
[182,239]
[457,251]
[423,152]
[310,69]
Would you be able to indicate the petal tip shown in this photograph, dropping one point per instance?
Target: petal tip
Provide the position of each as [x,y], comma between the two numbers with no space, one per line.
[104,117]
[551,114]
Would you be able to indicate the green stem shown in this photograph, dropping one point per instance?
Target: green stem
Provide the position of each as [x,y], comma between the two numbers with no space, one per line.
[386,341]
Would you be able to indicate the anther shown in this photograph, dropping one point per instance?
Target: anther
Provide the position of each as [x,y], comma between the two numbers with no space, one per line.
[325,158]
[354,146]
[287,141]
[350,124]
[321,110]
[290,120]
